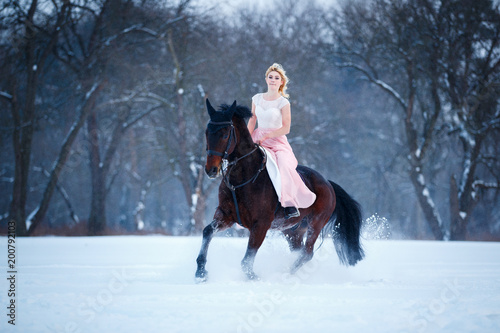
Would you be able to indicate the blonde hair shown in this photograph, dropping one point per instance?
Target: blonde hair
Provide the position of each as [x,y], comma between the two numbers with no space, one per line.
[279,69]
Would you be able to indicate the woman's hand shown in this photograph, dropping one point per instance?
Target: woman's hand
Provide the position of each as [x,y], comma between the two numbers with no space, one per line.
[262,139]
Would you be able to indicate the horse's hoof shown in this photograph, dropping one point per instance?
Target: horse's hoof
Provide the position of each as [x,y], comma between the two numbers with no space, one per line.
[294,270]
[300,262]
[199,280]
[201,277]
[252,276]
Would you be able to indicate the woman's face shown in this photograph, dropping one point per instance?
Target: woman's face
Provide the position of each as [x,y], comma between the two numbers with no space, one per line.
[274,81]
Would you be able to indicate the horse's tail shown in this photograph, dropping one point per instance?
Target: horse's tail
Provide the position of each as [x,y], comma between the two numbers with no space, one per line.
[347,221]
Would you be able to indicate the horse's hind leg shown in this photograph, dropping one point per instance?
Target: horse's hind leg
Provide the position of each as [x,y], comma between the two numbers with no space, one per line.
[208,234]
[295,237]
[307,252]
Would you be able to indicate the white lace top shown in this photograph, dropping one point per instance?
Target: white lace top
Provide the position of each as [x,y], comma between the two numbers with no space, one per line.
[269,112]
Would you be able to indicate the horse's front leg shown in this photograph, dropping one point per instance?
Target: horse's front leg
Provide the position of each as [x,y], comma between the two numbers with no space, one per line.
[257,235]
[208,234]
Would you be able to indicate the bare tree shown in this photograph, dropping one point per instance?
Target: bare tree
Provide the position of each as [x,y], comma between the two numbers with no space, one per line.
[91,87]
[180,124]
[89,56]
[38,35]
[134,76]
[401,49]
[472,58]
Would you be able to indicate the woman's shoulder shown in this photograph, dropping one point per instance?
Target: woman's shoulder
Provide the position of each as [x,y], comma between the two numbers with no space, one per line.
[283,101]
[257,97]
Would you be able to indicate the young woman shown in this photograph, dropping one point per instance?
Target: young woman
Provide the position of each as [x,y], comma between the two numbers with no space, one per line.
[271,111]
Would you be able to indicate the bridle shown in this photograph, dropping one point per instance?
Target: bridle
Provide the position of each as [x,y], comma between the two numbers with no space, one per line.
[230,165]
[232,136]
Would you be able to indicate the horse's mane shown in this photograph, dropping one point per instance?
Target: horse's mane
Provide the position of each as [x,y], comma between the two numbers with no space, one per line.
[242,111]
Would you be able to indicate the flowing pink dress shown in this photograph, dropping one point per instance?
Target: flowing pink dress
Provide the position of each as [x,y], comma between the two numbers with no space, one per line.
[294,193]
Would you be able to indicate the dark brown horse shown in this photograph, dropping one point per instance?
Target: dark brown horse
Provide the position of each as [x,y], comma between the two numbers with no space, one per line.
[247,196]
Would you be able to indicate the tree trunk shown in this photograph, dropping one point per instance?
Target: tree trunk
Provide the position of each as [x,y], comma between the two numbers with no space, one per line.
[416,153]
[457,218]
[22,141]
[35,55]
[18,202]
[22,149]
[139,210]
[199,215]
[100,168]
[23,132]
[426,203]
[201,205]
[97,217]
[462,202]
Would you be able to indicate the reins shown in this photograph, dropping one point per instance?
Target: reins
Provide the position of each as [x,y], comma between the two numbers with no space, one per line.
[233,164]
[227,175]
[230,166]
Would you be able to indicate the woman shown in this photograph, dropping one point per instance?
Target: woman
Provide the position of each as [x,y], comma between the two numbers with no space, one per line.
[271,110]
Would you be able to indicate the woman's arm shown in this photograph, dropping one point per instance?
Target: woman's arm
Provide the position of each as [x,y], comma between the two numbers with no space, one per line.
[252,121]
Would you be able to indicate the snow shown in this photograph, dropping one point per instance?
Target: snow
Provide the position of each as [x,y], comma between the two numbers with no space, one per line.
[194,198]
[140,225]
[146,284]
[430,202]
[421,180]
[31,216]
[91,91]
[465,175]
[200,89]
[481,183]
[194,167]
[391,90]
[5,94]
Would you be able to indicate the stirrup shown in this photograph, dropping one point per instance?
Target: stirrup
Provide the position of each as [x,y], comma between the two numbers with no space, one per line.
[291,212]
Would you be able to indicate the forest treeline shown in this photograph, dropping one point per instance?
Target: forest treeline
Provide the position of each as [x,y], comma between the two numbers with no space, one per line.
[103,109]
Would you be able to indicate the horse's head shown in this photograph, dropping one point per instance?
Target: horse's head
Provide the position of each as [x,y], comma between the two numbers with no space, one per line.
[221,137]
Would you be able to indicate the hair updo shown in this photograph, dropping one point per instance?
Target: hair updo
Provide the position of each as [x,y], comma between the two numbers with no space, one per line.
[279,69]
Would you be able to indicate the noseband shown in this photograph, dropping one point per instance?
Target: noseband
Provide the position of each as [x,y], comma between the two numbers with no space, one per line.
[232,136]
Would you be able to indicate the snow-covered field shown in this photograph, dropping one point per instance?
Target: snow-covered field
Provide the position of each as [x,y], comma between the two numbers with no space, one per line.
[146,284]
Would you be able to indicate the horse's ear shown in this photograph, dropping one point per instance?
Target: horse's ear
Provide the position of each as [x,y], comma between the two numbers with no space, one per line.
[210,109]
[232,108]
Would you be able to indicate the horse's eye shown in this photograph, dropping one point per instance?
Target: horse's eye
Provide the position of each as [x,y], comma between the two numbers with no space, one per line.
[226,136]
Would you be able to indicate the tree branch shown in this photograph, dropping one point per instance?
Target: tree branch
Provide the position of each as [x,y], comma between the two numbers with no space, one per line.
[64,195]
[484,185]
[140,116]
[6,95]
[386,87]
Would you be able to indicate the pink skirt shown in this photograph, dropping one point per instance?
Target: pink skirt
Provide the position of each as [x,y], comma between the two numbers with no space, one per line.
[294,193]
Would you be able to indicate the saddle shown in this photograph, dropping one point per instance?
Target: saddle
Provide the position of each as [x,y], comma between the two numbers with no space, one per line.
[274,172]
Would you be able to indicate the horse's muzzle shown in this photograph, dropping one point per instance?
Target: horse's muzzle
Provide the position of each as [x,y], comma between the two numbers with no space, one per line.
[212,172]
